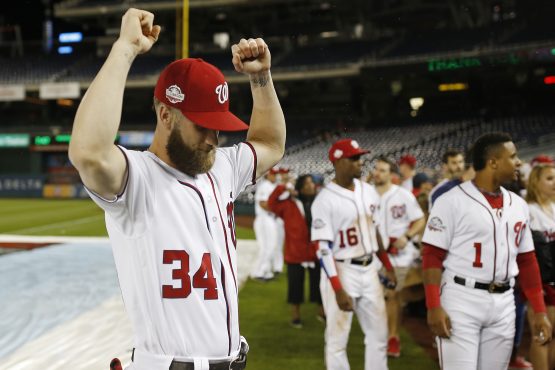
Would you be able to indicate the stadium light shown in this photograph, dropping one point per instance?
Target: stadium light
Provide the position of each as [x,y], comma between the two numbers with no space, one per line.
[329,34]
[458,86]
[70,37]
[65,50]
[416,103]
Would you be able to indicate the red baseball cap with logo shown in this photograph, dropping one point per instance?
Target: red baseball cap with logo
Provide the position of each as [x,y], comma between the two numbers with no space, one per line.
[199,90]
[345,148]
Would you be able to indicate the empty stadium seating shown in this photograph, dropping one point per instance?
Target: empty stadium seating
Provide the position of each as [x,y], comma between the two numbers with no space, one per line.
[426,142]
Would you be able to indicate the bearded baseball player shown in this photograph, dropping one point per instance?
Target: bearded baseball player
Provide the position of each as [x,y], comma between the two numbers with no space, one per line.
[348,243]
[479,233]
[169,210]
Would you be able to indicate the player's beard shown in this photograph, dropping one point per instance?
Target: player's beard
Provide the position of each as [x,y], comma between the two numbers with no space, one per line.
[187,159]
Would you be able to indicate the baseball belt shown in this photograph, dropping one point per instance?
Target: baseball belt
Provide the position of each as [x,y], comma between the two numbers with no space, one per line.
[492,287]
[226,365]
[238,363]
[360,261]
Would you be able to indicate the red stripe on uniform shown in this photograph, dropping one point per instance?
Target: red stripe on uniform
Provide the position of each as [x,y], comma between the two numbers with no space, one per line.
[255,161]
[228,316]
[494,230]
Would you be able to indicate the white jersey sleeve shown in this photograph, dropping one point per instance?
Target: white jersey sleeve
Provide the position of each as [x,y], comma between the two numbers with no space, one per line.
[239,166]
[322,226]
[263,191]
[441,224]
[526,243]
[129,208]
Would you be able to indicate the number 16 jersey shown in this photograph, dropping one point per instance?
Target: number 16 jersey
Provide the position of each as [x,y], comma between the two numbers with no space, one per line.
[345,218]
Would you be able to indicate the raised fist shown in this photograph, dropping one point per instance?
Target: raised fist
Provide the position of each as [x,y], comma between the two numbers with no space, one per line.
[251,56]
[138,30]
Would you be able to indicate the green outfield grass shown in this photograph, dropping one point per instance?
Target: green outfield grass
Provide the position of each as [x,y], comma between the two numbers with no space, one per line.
[60,218]
[264,313]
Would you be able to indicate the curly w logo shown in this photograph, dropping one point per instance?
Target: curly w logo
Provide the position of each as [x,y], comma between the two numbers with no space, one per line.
[223,93]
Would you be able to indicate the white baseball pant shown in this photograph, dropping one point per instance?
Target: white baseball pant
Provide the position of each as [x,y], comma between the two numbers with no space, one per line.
[363,285]
[483,328]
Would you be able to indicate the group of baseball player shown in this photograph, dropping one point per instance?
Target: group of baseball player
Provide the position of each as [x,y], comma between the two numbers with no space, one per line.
[169,214]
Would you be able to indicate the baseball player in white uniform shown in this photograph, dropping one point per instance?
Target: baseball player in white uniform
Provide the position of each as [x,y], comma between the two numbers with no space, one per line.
[407,165]
[265,227]
[401,219]
[480,234]
[348,243]
[169,210]
[278,260]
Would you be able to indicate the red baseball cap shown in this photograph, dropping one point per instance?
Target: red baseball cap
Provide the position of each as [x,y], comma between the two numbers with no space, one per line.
[283,170]
[200,92]
[409,160]
[542,158]
[345,148]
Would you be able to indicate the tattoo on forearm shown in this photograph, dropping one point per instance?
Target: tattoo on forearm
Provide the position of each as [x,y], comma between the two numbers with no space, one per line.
[259,80]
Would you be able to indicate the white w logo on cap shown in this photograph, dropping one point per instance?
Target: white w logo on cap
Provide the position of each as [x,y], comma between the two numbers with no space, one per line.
[223,93]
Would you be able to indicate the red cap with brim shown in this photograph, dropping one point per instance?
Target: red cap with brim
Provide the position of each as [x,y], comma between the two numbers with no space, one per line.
[222,121]
[199,90]
[345,148]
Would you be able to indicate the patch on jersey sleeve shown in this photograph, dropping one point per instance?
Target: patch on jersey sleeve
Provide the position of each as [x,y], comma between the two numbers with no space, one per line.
[318,223]
[435,224]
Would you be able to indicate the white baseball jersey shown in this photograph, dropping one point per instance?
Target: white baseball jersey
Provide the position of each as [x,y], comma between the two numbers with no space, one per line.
[345,218]
[407,184]
[482,242]
[174,246]
[397,210]
[263,190]
[541,221]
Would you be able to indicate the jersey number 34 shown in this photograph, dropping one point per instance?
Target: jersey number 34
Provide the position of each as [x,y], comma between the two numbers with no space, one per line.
[202,279]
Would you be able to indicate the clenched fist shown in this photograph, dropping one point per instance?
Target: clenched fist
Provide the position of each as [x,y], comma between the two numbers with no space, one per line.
[251,56]
[138,30]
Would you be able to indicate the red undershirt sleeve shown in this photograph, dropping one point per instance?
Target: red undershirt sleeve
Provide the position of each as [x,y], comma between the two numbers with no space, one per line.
[432,257]
[530,280]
